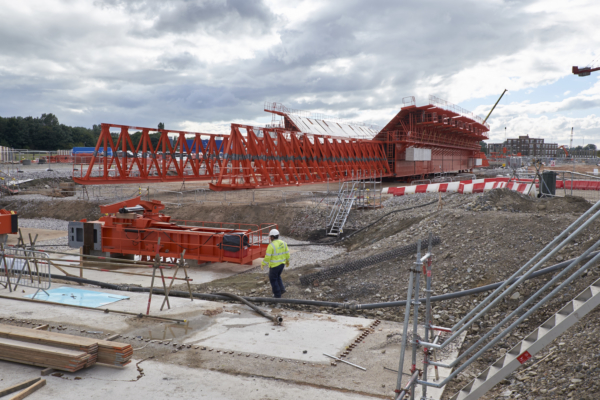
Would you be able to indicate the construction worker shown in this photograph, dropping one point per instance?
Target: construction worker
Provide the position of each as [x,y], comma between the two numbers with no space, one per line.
[277,257]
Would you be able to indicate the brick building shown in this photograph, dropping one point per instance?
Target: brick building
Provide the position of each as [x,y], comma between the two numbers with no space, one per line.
[528,147]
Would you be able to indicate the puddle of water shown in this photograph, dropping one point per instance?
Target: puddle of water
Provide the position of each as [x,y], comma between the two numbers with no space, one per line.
[167,331]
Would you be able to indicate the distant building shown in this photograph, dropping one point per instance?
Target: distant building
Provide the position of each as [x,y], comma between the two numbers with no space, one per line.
[528,147]
[496,147]
[578,152]
[532,147]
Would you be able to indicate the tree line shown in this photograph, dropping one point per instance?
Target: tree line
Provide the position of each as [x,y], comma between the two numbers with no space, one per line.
[46,133]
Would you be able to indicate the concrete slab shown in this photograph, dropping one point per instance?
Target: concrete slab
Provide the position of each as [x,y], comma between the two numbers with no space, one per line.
[162,381]
[235,343]
[314,334]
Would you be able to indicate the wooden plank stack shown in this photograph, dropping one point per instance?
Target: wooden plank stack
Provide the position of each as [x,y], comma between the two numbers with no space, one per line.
[114,353]
[42,355]
[60,351]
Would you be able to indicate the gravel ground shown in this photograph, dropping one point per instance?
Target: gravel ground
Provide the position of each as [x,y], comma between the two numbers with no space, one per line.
[37,171]
[44,223]
[484,239]
[306,255]
[59,244]
[41,197]
[54,244]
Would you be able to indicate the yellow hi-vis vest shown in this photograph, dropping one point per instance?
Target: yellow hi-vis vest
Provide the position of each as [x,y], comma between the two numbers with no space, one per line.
[277,254]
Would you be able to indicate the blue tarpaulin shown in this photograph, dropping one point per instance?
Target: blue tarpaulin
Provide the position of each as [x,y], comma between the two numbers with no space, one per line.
[78,297]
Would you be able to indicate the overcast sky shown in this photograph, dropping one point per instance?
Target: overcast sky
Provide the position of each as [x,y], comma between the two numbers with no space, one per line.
[200,65]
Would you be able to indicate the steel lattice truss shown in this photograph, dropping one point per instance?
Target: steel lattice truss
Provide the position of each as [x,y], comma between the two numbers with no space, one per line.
[248,158]
[118,161]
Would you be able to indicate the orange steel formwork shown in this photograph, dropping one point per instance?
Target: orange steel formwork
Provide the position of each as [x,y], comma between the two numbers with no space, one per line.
[151,233]
[452,133]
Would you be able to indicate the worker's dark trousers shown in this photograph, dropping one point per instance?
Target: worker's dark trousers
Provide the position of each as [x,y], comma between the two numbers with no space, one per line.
[275,279]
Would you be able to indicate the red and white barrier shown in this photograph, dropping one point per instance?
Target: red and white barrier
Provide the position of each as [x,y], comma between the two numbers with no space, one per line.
[464,187]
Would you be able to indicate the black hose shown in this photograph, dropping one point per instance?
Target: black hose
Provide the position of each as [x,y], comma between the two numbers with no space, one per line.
[350,306]
[278,319]
[476,290]
[368,226]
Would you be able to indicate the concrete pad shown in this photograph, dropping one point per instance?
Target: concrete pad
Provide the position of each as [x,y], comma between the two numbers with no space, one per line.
[314,333]
[162,381]
[43,234]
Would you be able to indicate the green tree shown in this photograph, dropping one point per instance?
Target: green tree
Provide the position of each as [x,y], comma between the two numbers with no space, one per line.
[161,125]
[44,133]
[484,147]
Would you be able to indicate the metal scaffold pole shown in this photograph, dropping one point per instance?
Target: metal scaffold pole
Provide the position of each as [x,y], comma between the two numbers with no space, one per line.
[405,330]
[427,314]
[416,303]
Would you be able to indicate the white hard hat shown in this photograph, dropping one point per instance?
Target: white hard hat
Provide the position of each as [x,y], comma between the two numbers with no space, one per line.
[274,232]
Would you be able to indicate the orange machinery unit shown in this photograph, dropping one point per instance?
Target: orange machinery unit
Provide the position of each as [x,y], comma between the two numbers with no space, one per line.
[136,227]
[9,222]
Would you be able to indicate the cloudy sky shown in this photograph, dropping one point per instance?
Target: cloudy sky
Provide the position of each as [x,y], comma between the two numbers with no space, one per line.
[200,65]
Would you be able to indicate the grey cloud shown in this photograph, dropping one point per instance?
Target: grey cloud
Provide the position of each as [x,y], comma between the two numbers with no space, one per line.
[210,16]
[390,45]
[180,61]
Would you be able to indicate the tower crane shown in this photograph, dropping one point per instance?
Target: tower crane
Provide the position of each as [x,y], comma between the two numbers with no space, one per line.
[571,145]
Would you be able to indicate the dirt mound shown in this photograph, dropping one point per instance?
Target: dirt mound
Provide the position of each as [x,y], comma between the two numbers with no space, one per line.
[245,214]
[71,210]
[507,199]
[381,230]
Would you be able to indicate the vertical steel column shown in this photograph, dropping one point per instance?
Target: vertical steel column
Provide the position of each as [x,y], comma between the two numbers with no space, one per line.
[427,316]
[404,331]
[416,303]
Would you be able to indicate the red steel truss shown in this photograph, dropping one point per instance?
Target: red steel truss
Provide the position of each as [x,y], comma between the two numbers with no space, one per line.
[452,134]
[250,157]
[270,157]
[119,161]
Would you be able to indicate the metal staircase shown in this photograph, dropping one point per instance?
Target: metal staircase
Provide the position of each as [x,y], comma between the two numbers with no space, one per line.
[568,316]
[341,208]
